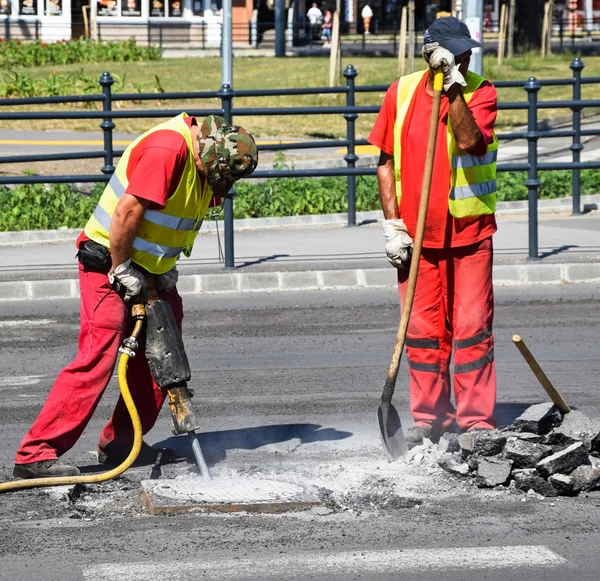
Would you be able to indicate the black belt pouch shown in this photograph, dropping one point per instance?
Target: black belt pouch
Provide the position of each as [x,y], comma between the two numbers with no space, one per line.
[94,256]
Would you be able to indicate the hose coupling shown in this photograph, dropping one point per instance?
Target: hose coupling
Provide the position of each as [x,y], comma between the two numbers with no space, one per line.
[131,342]
[127,351]
[138,311]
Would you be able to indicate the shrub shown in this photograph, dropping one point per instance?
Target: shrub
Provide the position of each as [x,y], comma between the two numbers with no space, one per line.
[14,53]
[37,207]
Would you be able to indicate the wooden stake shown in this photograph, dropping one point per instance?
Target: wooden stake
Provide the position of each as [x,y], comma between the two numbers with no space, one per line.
[402,44]
[501,34]
[549,30]
[334,50]
[511,29]
[411,37]
[545,29]
[556,398]
[86,23]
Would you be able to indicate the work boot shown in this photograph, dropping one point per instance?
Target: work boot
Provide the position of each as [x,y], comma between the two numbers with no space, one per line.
[416,435]
[113,455]
[44,469]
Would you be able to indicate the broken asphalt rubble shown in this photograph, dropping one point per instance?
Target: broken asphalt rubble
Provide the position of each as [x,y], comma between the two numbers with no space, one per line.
[542,450]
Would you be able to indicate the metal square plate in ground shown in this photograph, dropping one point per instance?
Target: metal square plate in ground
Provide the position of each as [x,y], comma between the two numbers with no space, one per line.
[227,494]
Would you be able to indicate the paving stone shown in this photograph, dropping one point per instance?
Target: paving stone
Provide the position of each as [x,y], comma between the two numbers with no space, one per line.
[48,289]
[259,281]
[529,479]
[488,443]
[525,436]
[453,463]
[466,442]
[585,478]
[473,462]
[188,284]
[14,290]
[493,472]
[525,454]
[563,484]
[219,283]
[340,278]
[449,443]
[563,462]
[300,280]
[543,273]
[379,277]
[582,272]
[574,427]
[538,419]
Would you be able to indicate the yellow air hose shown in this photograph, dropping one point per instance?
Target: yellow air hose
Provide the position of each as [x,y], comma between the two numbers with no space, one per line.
[127,351]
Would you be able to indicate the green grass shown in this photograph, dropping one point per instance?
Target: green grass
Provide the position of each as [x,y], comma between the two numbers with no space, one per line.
[204,74]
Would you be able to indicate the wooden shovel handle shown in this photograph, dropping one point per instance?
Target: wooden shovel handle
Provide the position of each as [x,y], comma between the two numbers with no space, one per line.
[390,382]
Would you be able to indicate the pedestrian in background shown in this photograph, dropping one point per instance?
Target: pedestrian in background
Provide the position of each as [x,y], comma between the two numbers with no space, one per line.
[315,19]
[454,304]
[326,28]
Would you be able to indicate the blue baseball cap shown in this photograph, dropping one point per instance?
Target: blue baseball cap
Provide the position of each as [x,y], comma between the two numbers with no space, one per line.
[451,34]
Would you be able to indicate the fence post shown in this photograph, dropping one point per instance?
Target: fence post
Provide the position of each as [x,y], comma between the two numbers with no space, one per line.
[532,86]
[228,227]
[226,95]
[576,66]
[351,73]
[107,124]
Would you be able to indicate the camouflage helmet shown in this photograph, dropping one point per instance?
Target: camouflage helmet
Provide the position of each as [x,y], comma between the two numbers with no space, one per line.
[228,152]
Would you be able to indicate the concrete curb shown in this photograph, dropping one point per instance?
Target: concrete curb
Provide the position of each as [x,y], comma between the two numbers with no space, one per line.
[504,275]
[31,237]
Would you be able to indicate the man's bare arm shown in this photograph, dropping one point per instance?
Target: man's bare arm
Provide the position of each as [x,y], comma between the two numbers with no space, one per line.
[466,131]
[125,224]
[387,186]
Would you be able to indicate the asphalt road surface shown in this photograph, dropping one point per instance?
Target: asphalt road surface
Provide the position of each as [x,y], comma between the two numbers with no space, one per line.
[288,385]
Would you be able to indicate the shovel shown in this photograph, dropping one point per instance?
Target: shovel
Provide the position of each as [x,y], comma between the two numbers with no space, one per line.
[390,427]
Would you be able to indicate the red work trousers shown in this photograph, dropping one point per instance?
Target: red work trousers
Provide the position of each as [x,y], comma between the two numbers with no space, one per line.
[453,307]
[105,322]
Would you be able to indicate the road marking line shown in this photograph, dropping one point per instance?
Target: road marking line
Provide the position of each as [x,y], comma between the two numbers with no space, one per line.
[96,142]
[18,381]
[26,322]
[338,564]
[362,149]
[58,142]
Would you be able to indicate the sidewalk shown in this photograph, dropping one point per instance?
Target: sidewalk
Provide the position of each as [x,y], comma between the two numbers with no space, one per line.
[284,255]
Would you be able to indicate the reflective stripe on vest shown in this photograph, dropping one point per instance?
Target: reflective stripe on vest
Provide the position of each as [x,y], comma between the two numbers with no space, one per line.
[472,178]
[163,234]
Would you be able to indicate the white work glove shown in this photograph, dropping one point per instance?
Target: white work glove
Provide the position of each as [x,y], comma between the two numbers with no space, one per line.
[165,282]
[127,277]
[398,244]
[439,57]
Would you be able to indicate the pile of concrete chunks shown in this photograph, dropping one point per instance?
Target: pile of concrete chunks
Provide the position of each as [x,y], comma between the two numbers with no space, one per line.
[543,450]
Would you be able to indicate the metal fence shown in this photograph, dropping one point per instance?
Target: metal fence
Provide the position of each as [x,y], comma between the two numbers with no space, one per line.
[350,112]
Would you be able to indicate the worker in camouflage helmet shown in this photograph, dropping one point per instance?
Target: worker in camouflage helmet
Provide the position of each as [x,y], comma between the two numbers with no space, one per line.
[149,214]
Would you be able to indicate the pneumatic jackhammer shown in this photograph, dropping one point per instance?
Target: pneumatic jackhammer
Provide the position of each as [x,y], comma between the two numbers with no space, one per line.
[170,368]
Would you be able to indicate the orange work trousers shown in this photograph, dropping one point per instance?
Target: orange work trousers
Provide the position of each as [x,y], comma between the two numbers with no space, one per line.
[105,322]
[453,310]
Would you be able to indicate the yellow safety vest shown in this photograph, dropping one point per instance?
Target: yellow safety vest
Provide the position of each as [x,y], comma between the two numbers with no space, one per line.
[163,234]
[472,177]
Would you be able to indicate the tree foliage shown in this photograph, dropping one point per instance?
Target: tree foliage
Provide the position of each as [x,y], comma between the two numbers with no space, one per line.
[529,16]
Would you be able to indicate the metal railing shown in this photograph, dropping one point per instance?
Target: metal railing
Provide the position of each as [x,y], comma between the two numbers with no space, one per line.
[350,112]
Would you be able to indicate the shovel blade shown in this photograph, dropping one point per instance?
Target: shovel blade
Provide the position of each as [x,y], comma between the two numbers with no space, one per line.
[390,429]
